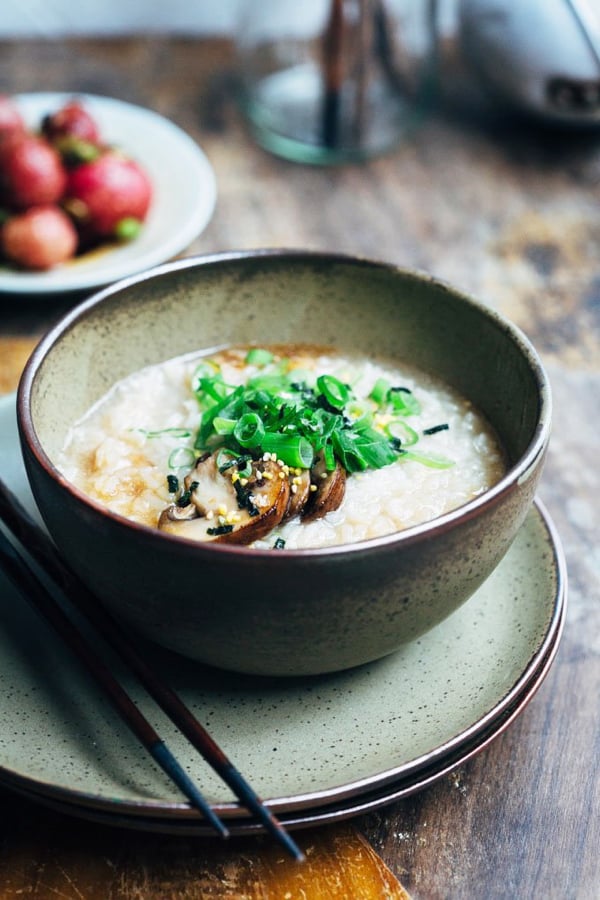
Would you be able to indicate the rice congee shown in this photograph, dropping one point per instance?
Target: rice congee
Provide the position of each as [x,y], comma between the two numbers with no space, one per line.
[282,447]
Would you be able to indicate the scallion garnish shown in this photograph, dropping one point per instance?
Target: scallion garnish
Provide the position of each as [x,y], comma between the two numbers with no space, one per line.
[433,461]
[403,401]
[249,430]
[181,458]
[257,356]
[171,432]
[335,392]
[398,428]
[297,416]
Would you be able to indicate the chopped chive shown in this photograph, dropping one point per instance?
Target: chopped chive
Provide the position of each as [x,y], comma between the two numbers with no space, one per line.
[257,356]
[398,429]
[249,430]
[379,391]
[293,450]
[404,401]
[224,426]
[335,392]
[171,432]
[428,459]
[181,458]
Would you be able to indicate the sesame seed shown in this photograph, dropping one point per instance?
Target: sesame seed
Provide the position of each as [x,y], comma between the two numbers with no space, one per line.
[268,476]
[210,514]
[313,488]
[222,509]
[294,488]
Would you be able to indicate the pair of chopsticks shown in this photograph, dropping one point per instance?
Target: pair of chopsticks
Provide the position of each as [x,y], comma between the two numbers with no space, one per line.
[29,535]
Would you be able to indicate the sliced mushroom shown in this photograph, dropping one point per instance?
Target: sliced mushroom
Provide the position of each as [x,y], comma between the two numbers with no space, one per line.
[327,490]
[175,513]
[230,508]
[299,492]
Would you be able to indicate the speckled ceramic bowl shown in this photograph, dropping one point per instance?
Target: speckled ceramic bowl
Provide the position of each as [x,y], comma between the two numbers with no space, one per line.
[297,611]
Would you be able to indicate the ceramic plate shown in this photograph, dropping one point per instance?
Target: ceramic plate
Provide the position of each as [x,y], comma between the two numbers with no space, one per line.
[184,194]
[307,745]
[353,805]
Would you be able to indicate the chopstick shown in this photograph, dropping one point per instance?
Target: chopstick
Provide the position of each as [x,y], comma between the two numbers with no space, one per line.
[30,587]
[41,548]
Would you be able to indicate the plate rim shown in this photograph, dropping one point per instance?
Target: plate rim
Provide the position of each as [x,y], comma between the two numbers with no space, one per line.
[342,810]
[529,680]
[34,283]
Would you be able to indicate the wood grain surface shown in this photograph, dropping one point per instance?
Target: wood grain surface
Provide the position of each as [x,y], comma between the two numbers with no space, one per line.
[505,210]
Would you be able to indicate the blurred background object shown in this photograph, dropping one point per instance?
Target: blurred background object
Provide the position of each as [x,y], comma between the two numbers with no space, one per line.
[338,80]
[540,56]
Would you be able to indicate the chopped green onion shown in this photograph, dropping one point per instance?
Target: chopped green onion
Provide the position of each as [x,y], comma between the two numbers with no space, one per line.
[360,411]
[224,426]
[249,430]
[171,432]
[173,483]
[379,391]
[433,461]
[404,401]
[291,449]
[181,457]
[257,356]
[335,392]
[398,428]
[268,381]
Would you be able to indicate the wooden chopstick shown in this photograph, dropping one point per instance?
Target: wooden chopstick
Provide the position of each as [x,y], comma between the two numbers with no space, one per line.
[41,548]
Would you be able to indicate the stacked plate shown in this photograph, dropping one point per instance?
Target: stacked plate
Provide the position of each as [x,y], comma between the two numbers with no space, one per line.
[317,749]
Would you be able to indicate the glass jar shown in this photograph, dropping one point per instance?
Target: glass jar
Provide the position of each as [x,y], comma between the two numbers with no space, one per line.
[328,81]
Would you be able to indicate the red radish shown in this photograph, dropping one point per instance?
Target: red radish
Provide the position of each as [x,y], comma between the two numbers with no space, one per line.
[31,173]
[71,120]
[11,122]
[39,238]
[110,195]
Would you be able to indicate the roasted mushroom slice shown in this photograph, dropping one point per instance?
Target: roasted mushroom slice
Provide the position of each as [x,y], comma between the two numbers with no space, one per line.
[231,507]
[327,490]
[176,513]
[299,492]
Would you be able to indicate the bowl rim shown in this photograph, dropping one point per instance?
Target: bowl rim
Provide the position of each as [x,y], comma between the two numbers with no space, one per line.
[516,475]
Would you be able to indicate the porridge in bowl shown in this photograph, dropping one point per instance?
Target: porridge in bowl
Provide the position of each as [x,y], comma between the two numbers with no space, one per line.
[282,447]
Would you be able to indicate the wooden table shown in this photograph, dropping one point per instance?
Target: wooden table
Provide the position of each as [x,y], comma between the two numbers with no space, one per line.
[511,214]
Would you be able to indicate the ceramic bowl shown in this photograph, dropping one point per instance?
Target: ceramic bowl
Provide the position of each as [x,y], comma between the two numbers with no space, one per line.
[290,612]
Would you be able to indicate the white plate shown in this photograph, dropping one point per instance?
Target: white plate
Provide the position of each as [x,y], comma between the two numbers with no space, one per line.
[184,194]
[315,748]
